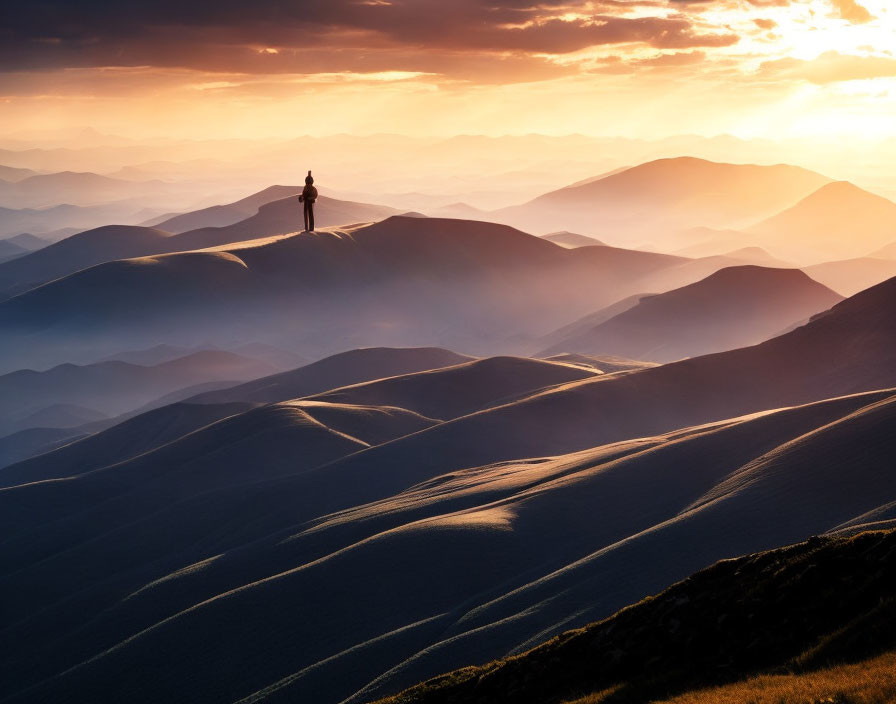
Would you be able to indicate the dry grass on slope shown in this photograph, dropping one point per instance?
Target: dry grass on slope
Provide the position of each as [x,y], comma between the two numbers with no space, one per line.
[870,682]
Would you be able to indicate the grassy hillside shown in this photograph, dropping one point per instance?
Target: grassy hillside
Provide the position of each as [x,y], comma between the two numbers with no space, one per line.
[794,610]
[868,682]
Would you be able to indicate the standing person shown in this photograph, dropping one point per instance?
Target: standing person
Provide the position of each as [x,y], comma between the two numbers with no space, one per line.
[309,195]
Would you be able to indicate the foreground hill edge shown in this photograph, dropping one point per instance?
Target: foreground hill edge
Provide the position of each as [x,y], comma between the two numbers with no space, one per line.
[783,611]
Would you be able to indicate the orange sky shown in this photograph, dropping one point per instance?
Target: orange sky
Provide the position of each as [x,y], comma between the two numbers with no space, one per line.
[274,68]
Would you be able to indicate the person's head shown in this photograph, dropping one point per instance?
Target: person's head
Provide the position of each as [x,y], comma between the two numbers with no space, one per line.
[308,179]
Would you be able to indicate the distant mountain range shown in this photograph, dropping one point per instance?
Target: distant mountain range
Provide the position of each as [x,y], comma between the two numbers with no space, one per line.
[372,285]
[734,307]
[666,195]
[46,190]
[243,463]
[837,221]
[70,395]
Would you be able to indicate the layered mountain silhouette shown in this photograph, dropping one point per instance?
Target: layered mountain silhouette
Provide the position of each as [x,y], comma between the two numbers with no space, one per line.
[759,257]
[80,251]
[838,221]
[27,241]
[273,217]
[573,240]
[549,532]
[462,389]
[31,399]
[10,250]
[372,285]
[732,308]
[344,369]
[222,215]
[60,221]
[84,188]
[669,194]
[502,438]
[526,548]
[887,252]
[850,276]
[356,366]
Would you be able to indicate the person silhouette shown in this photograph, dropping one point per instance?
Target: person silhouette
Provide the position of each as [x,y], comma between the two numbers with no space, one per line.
[309,195]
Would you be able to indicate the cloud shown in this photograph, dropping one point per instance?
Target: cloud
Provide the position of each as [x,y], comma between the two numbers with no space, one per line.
[831,67]
[852,11]
[286,36]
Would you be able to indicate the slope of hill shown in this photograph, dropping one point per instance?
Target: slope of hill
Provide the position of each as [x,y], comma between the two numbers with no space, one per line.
[61,415]
[282,216]
[838,221]
[667,195]
[45,190]
[338,370]
[111,387]
[850,276]
[759,257]
[111,242]
[80,251]
[780,610]
[524,550]
[588,322]
[47,220]
[27,241]
[228,214]
[11,174]
[706,241]
[572,240]
[24,444]
[887,252]
[734,307]
[461,389]
[849,349]
[603,364]
[133,437]
[871,681]
[10,250]
[383,284]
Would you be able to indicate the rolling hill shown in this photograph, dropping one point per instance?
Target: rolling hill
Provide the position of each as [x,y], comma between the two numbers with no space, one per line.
[667,195]
[732,308]
[556,542]
[84,189]
[77,252]
[338,370]
[112,242]
[525,550]
[109,388]
[572,240]
[318,293]
[27,241]
[838,221]
[10,250]
[850,276]
[223,215]
[772,612]
[887,252]
[279,217]
[45,221]
[461,389]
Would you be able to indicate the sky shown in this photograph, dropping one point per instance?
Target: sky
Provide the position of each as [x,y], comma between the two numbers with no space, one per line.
[280,68]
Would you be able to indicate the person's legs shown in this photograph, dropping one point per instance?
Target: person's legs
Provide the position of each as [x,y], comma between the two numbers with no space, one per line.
[311,217]
[306,213]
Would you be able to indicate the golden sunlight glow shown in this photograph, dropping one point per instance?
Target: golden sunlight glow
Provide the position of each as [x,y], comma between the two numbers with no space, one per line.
[803,68]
